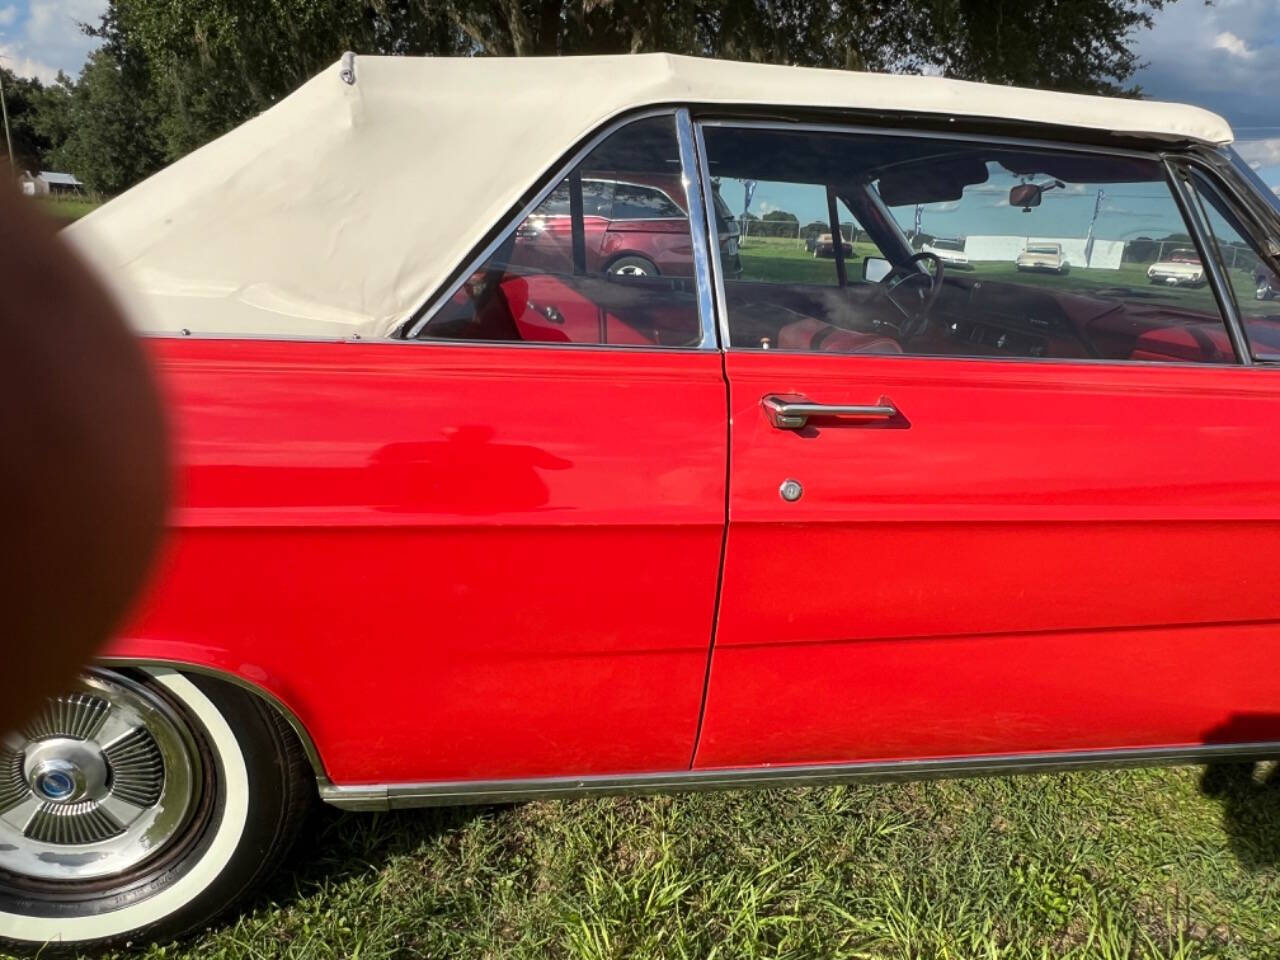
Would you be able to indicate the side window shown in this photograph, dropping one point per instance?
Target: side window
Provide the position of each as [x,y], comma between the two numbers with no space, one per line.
[1254,285]
[605,258]
[776,245]
[963,248]
[635,201]
[597,197]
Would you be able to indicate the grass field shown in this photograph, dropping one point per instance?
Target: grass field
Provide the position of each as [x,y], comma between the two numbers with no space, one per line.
[1124,864]
[66,209]
[786,261]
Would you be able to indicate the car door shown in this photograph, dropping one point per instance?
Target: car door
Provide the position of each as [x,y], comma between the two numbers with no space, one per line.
[1043,519]
[486,550]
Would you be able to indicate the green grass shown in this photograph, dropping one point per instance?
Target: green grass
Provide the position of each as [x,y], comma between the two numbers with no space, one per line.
[67,209]
[779,260]
[786,261]
[1085,865]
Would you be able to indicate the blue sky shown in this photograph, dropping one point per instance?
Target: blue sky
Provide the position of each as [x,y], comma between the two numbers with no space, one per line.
[1225,57]
[40,37]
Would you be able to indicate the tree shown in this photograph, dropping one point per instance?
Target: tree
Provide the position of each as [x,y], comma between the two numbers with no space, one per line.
[112,141]
[1082,45]
[23,97]
[215,63]
[52,120]
[177,73]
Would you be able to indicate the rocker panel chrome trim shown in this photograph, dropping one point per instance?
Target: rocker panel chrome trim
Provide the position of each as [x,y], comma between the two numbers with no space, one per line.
[401,795]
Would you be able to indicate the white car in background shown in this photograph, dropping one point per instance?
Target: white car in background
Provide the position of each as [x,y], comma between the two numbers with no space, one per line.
[1182,269]
[1043,257]
[950,252]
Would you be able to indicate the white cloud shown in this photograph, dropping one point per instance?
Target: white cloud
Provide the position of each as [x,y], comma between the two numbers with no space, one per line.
[48,38]
[1229,42]
[25,66]
[1260,153]
[1225,57]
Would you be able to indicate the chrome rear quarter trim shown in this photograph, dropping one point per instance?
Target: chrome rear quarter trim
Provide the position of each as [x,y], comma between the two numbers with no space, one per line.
[453,793]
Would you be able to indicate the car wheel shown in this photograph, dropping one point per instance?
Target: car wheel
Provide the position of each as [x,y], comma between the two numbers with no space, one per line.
[633,267]
[1264,290]
[140,806]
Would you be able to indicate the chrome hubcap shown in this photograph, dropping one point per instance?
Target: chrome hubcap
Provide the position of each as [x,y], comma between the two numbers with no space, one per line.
[97,783]
[64,770]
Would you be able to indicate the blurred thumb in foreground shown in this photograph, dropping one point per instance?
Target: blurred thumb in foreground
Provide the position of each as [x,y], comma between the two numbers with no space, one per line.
[83,487]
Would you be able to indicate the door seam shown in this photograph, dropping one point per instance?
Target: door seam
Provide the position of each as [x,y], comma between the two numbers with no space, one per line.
[724,546]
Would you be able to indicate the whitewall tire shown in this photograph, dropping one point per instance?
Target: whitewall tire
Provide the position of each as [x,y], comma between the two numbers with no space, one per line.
[139,807]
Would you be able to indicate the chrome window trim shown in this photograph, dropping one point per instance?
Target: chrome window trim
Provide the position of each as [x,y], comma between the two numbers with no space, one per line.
[893,357]
[391,796]
[1189,206]
[180,335]
[408,329]
[715,267]
[531,345]
[702,227]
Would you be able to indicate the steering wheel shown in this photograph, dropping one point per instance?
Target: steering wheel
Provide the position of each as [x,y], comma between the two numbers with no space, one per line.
[912,292]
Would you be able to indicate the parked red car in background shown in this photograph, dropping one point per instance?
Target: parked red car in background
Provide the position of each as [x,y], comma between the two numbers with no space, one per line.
[635,227]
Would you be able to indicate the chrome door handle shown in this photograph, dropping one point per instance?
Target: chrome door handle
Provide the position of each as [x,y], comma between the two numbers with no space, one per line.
[792,413]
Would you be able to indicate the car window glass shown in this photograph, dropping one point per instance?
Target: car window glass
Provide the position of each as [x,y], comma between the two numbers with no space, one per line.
[1254,285]
[966,248]
[597,196]
[634,201]
[775,246]
[620,273]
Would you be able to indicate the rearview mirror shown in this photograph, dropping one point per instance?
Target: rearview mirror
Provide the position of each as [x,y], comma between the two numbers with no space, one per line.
[1025,195]
[875,269]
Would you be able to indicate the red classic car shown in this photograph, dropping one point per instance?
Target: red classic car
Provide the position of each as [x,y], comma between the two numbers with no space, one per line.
[632,227]
[459,522]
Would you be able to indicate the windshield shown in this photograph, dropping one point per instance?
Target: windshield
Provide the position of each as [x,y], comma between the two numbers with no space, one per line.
[1042,248]
[1185,256]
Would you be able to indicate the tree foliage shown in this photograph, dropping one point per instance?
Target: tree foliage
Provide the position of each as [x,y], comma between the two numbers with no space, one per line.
[25,100]
[110,139]
[173,74]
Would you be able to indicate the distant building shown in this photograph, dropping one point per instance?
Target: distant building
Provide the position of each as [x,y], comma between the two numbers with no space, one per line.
[61,182]
[31,186]
[49,181]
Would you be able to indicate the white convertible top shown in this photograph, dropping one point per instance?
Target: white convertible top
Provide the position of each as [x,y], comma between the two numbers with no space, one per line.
[342,208]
